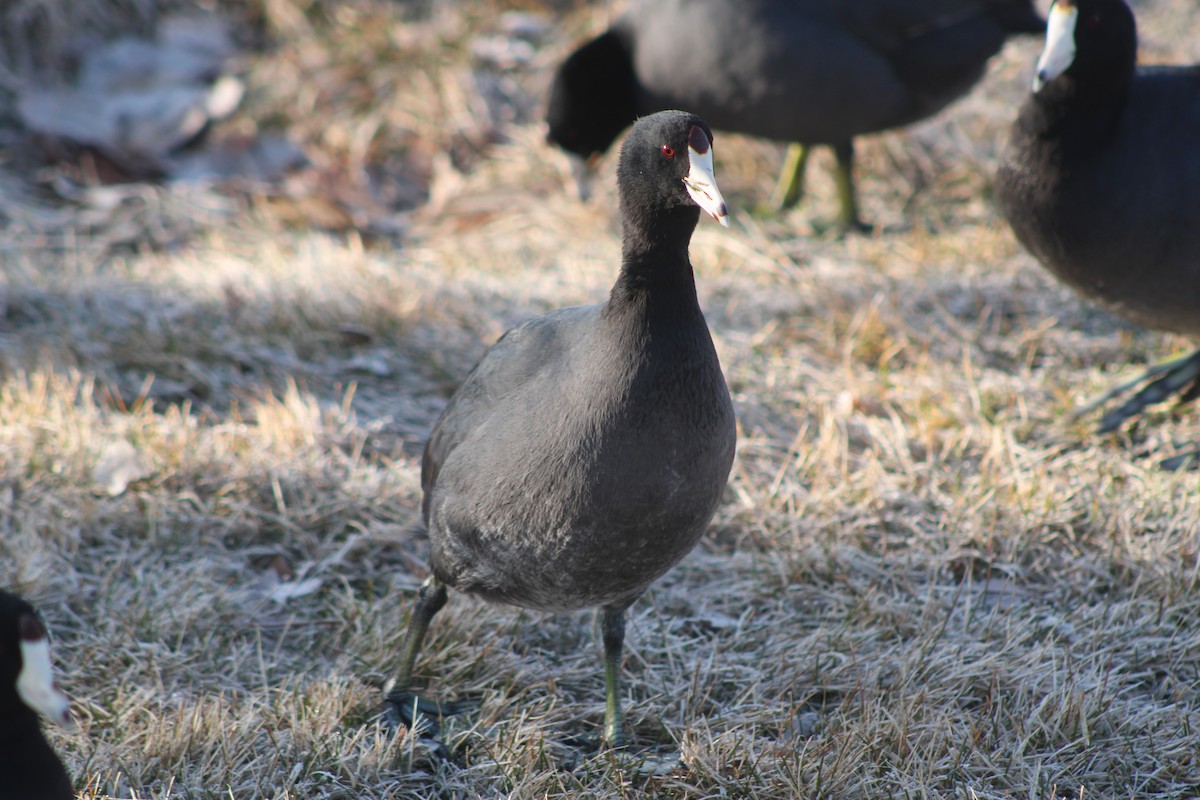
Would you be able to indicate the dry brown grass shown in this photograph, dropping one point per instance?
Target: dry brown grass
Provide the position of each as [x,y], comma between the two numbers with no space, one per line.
[924,582]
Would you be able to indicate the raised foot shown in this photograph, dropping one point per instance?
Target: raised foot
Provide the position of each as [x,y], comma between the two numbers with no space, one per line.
[1178,376]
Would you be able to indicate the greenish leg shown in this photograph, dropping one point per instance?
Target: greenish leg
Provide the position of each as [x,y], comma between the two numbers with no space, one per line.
[843,176]
[613,632]
[430,600]
[791,179]
[407,708]
[417,713]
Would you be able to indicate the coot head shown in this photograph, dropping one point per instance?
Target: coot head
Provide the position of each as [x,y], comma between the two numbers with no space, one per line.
[666,162]
[1090,42]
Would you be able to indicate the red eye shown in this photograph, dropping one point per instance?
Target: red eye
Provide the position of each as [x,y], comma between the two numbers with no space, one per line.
[668,151]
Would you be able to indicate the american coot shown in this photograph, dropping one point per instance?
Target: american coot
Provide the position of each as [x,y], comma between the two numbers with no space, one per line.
[29,769]
[806,71]
[1101,181]
[585,454]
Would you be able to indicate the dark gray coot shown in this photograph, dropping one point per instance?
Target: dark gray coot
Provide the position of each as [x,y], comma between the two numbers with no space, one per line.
[804,71]
[1101,182]
[585,454]
[29,768]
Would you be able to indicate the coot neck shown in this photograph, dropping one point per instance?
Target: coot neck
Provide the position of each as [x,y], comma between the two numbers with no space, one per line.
[655,268]
[1087,100]
[1070,109]
[13,710]
[20,728]
[42,774]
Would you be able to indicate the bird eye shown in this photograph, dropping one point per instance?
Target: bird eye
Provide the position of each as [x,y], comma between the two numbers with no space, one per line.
[1093,21]
[668,151]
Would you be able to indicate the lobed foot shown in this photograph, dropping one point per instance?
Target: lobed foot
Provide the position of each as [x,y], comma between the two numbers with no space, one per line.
[421,715]
[1179,376]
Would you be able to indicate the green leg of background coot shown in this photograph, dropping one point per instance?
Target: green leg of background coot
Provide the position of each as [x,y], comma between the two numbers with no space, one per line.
[1167,378]
[843,175]
[613,633]
[405,706]
[791,179]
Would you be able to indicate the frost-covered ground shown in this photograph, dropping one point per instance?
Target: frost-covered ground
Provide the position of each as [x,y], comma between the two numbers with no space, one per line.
[925,581]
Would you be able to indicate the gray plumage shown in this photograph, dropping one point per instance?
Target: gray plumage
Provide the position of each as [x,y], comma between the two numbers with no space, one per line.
[581,459]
